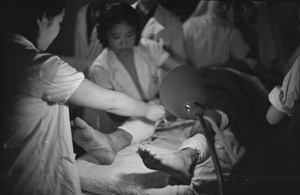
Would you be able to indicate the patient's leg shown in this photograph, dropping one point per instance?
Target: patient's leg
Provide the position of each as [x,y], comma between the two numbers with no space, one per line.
[102,146]
[178,164]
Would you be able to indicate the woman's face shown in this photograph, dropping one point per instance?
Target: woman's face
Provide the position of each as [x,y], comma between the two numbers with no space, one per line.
[49,30]
[121,38]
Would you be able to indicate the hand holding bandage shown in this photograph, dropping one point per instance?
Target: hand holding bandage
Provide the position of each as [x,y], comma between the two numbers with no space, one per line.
[154,111]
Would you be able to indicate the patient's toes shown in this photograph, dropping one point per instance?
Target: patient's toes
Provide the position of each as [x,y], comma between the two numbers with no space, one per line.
[141,151]
[151,155]
[145,153]
[80,123]
[81,131]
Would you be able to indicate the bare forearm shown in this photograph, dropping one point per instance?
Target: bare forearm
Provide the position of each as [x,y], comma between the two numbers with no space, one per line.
[127,106]
[93,96]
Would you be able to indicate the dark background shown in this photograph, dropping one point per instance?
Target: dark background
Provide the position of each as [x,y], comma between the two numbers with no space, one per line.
[286,14]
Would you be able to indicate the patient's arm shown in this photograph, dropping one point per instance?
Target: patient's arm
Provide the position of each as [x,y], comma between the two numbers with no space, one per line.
[274,116]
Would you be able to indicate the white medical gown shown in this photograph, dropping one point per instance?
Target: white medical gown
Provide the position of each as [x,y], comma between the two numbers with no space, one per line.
[38,148]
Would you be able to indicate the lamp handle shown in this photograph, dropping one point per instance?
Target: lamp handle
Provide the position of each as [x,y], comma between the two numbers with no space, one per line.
[211,147]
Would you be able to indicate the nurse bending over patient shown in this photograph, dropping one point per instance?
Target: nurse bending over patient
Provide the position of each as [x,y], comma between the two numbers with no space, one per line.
[37,146]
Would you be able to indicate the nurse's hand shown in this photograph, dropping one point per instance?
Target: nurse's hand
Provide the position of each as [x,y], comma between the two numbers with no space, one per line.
[154,111]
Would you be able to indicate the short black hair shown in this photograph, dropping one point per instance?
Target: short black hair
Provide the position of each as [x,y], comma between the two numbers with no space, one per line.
[117,13]
[21,16]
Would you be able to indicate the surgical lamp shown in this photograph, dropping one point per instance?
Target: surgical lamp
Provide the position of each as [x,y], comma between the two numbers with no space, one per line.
[182,94]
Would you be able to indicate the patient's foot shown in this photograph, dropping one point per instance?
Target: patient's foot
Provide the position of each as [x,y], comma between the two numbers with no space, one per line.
[101,146]
[179,164]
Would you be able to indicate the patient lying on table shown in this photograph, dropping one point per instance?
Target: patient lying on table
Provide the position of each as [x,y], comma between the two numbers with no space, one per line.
[187,164]
[192,163]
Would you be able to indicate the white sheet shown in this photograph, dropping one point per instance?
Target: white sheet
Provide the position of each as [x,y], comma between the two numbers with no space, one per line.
[128,174]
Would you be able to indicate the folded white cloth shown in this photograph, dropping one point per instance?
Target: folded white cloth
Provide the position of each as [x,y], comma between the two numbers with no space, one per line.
[140,129]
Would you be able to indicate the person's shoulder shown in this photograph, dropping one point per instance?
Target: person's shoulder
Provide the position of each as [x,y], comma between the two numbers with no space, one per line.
[102,60]
[51,66]
[82,9]
[81,13]
[194,22]
[166,16]
[296,65]
[50,61]
[297,60]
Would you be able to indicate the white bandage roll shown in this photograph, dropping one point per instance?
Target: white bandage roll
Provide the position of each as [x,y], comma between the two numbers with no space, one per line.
[197,142]
[140,129]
